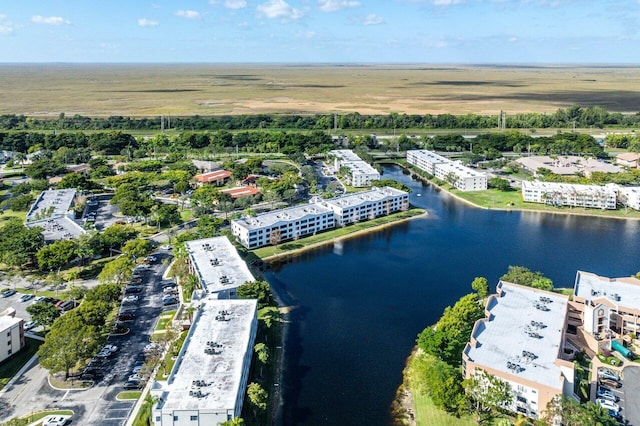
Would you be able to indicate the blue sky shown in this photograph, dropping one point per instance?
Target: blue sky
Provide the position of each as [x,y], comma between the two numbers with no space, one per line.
[321,31]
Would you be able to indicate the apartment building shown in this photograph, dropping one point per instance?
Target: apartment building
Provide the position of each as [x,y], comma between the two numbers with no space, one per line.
[628,196]
[208,381]
[290,223]
[317,216]
[367,205]
[12,332]
[461,177]
[425,160]
[521,341]
[216,263]
[361,173]
[566,194]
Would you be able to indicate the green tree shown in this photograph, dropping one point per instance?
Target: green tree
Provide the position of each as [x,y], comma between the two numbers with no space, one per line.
[43,313]
[486,393]
[236,421]
[118,271]
[499,184]
[56,255]
[77,181]
[444,385]
[109,293]
[256,290]
[209,226]
[19,244]
[68,342]
[524,276]
[574,413]
[116,235]
[481,286]
[258,397]
[139,247]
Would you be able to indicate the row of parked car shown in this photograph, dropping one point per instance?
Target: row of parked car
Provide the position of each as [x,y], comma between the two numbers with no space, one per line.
[606,398]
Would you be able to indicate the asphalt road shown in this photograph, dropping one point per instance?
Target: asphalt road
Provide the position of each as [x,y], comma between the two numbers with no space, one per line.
[631,401]
[96,405]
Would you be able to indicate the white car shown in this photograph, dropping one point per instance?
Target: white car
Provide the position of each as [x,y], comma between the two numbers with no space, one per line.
[55,421]
[608,405]
[110,348]
[130,299]
[603,372]
[29,325]
[103,354]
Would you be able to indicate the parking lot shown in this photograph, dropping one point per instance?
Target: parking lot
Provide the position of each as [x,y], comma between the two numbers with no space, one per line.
[102,214]
[631,395]
[98,405]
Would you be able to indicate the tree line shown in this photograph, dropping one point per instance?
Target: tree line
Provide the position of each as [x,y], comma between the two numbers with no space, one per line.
[574,116]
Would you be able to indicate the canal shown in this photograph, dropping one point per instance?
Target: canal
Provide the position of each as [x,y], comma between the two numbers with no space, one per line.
[360,305]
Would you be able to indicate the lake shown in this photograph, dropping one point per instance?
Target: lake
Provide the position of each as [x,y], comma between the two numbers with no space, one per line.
[360,305]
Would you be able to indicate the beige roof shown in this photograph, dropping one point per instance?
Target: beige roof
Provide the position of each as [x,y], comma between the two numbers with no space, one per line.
[628,156]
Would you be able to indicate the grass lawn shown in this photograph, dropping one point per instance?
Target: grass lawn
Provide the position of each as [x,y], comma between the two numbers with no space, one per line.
[8,214]
[165,319]
[186,214]
[169,357]
[428,414]
[10,367]
[265,252]
[129,395]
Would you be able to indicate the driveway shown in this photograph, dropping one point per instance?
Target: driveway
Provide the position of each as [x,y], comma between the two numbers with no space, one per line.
[631,388]
[96,405]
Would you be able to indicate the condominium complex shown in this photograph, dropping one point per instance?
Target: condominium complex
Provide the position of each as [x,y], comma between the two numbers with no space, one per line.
[218,266]
[566,194]
[367,205]
[290,223]
[208,381]
[317,216]
[461,177]
[521,342]
[12,332]
[361,173]
[628,196]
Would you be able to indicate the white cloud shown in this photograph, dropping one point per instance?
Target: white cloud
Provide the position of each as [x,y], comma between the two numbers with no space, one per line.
[144,22]
[512,39]
[188,14]
[333,5]
[372,19]
[6,26]
[445,3]
[274,9]
[235,4]
[49,20]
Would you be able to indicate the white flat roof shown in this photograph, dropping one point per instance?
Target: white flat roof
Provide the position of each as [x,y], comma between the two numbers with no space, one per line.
[58,228]
[624,291]
[203,255]
[273,217]
[358,198]
[503,340]
[7,321]
[59,199]
[430,156]
[220,371]
[460,170]
[360,167]
[568,164]
[345,155]
[557,186]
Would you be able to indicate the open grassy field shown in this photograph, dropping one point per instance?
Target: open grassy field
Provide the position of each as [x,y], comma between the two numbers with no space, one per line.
[187,89]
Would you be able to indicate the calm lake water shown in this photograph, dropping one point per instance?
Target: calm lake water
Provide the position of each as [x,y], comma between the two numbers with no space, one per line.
[361,305]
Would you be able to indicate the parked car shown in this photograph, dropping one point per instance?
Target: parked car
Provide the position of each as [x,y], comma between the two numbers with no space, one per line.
[7,293]
[110,348]
[26,297]
[168,284]
[29,325]
[103,354]
[126,316]
[605,373]
[617,416]
[39,299]
[132,290]
[130,299]
[166,247]
[170,290]
[606,394]
[169,301]
[55,421]
[608,405]
[132,385]
[68,305]
[609,382]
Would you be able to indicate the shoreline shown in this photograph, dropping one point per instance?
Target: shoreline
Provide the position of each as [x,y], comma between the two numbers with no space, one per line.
[292,253]
[423,179]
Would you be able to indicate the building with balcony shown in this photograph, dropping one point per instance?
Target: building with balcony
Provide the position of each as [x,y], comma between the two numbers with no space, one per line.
[284,224]
[521,342]
[366,205]
[361,173]
[567,194]
[218,266]
[12,332]
[208,381]
[461,177]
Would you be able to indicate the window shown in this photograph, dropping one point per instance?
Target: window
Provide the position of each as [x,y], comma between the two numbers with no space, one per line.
[9,352]
[175,418]
[193,418]
[522,410]
[158,419]
[521,399]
